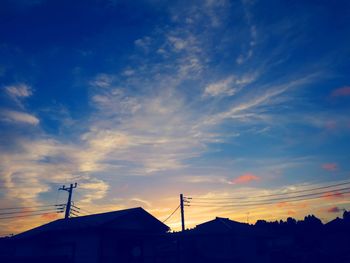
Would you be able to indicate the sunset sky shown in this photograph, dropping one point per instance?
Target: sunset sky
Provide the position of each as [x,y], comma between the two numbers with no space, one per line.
[139,101]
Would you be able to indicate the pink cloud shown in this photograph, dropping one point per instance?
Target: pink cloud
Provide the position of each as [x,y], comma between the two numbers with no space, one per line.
[331,125]
[334,209]
[335,195]
[281,204]
[330,166]
[341,92]
[245,178]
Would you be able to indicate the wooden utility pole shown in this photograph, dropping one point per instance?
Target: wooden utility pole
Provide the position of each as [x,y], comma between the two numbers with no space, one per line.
[182,212]
[69,202]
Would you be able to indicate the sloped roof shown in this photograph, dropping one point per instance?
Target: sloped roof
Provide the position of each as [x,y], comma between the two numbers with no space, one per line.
[128,219]
[220,224]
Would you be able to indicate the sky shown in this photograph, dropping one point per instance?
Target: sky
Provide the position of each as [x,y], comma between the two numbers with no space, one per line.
[139,101]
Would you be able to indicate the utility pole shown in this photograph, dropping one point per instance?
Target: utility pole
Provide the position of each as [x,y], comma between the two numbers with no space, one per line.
[69,202]
[182,212]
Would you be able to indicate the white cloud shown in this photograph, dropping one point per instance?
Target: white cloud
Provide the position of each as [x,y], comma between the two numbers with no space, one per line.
[253,35]
[222,87]
[128,72]
[178,43]
[18,117]
[102,81]
[143,43]
[97,189]
[230,85]
[18,92]
[253,103]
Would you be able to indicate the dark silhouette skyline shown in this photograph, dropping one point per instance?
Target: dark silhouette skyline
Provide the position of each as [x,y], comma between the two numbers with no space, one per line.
[133,235]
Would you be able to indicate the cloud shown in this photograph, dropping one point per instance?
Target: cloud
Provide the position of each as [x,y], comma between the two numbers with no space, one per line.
[333,195]
[18,91]
[18,117]
[229,86]
[249,50]
[331,167]
[245,178]
[291,212]
[50,216]
[178,43]
[139,201]
[223,87]
[96,189]
[341,92]
[143,43]
[102,81]
[334,209]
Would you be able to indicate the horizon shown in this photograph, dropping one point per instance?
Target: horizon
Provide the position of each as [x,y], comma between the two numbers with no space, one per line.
[178,230]
[242,107]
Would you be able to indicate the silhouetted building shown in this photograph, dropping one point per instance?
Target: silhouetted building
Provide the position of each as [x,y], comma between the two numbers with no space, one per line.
[133,235]
[222,240]
[129,235]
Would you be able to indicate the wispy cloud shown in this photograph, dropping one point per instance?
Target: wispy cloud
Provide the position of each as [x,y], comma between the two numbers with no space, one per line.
[341,92]
[223,87]
[252,105]
[18,117]
[330,167]
[102,81]
[18,92]
[335,195]
[188,90]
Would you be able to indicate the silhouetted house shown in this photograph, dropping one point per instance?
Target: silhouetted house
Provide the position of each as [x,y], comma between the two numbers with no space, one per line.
[336,239]
[122,236]
[223,240]
[223,226]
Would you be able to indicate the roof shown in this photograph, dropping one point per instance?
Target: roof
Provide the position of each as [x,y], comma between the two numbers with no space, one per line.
[128,219]
[220,225]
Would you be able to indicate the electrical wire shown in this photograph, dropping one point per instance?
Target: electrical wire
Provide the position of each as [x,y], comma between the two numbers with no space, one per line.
[85,211]
[171,214]
[28,207]
[257,203]
[23,212]
[272,195]
[9,217]
[339,191]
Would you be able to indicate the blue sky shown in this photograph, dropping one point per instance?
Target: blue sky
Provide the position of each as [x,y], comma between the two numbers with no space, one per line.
[138,101]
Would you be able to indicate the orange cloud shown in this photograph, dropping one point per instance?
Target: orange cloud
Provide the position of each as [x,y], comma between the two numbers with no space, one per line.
[50,216]
[302,205]
[282,204]
[330,166]
[341,92]
[291,212]
[245,178]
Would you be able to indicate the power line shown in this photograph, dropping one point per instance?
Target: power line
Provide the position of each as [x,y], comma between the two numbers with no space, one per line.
[171,214]
[9,217]
[28,207]
[24,212]
[279,199]
[258,203]
[85,211]
[271,195]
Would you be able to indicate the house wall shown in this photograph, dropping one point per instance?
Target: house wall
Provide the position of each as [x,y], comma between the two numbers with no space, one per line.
[75,247]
